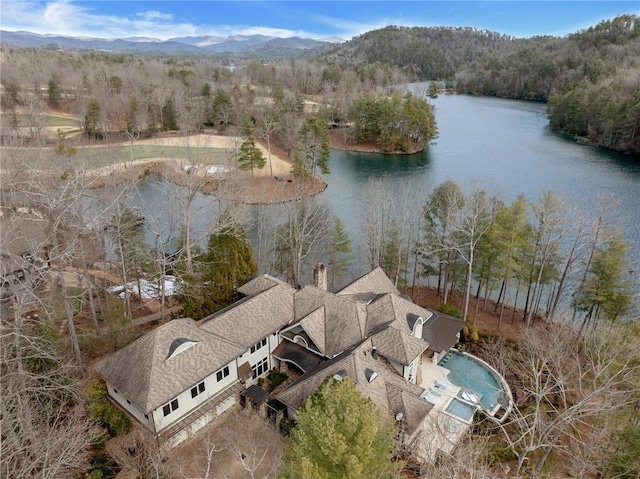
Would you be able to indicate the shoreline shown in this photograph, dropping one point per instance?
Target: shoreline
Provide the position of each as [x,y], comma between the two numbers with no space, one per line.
[338,142]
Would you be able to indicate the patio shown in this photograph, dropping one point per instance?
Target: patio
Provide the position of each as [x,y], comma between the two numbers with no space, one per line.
[444,430]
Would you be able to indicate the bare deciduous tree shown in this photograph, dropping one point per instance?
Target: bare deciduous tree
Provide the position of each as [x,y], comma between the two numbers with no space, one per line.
[568,383]
[45,431]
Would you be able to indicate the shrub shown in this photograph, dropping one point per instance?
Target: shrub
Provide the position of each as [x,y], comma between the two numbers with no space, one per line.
[102,467]
[275,378]
[100,437]
[449,309]
[105,413]
[286,426]
[500,455]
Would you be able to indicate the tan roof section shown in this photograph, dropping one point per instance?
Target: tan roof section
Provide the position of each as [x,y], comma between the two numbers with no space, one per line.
[145,374]
[248,321]
[402,312]
[259,285]
[314,325]
[398,345]
[374,281]
[341,322]
[413,408]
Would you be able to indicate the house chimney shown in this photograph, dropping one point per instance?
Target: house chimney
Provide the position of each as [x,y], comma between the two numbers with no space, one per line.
[320,276]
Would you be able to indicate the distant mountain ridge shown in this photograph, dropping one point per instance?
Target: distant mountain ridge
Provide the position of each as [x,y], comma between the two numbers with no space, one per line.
[191,44]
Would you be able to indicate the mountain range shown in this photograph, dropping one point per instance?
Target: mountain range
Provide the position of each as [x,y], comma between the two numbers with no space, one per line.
[197,44]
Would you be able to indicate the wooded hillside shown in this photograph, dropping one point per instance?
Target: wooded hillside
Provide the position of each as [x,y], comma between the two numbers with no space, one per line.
[590,78]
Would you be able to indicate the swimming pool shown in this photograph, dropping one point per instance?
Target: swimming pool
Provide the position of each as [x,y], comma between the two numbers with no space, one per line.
[461,409]
[474,376]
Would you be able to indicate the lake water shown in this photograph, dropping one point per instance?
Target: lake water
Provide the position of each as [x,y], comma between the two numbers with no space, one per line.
[504,146]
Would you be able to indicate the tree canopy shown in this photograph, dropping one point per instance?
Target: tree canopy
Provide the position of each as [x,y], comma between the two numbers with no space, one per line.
[340,434]
[226,264]
[398,123]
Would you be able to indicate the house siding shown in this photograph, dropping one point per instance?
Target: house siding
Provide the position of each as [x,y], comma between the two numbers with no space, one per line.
[186,403]
[128,406]
[259,355]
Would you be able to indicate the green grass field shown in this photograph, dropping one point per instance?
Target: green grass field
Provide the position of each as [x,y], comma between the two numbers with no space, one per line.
[89,158]
[50,120]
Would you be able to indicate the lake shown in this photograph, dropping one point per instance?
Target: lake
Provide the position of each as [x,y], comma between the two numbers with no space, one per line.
[504,146]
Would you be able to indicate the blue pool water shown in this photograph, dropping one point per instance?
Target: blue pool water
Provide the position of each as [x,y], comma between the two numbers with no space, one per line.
[460,409]
[473,376]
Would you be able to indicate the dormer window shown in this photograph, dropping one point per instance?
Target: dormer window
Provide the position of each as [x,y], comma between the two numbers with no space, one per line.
[180,345]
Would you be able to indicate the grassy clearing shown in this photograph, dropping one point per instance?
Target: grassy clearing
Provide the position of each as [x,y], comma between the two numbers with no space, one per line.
[50,120]
[100,157]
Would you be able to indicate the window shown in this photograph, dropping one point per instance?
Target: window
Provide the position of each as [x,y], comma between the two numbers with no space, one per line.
[170,407]
[199,389]
[260,368]
[258,345]
[223,373]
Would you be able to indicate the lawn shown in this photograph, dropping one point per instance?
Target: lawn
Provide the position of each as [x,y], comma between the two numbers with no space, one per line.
[50,120]
[98,157]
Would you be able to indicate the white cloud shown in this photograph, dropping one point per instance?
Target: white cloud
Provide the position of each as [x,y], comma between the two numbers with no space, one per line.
[63,17]
[350,28]
[155,15]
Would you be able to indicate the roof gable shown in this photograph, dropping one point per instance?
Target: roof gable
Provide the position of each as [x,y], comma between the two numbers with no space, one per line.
[341,320]
[391,309]
[148,371]
[441,331]
[259,285]
[374,281]
[314,325]
[397,345]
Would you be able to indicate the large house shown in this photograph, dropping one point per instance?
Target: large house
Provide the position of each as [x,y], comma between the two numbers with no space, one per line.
[178,377]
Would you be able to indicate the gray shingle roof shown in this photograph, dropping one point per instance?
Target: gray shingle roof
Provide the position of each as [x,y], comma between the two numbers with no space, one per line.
[334,323]
[374,281]
[248,321]
[146,374]
[441,331]
[398,345]
[391,308]
[390,392]
[259,285]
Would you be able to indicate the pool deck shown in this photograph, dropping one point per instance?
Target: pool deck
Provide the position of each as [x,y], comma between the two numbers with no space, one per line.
[444,430]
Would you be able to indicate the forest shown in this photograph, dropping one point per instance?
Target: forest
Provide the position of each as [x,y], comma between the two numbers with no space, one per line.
[67,115]
[589,78]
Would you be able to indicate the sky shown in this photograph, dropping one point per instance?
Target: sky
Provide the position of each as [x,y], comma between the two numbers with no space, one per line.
[164,19]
